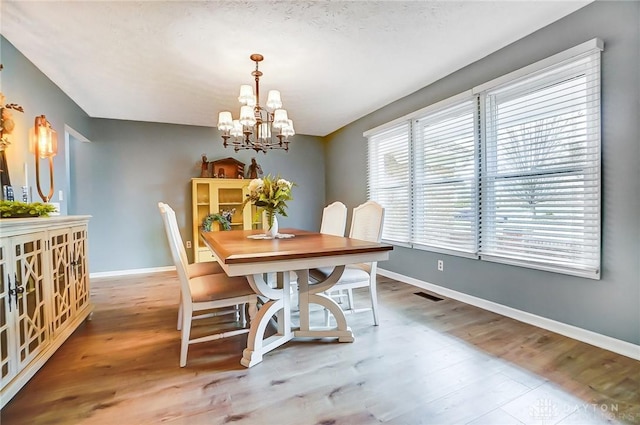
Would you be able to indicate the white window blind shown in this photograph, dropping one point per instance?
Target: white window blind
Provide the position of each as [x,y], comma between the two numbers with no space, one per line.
[445,182]
[541,181]
[389,179]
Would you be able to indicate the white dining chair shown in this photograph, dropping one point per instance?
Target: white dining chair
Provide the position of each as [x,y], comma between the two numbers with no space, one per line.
[366,224]
[202,294]
[193,269]
[334,219]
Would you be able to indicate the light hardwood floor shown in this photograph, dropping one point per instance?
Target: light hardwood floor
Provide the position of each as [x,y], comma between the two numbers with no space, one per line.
[429,362]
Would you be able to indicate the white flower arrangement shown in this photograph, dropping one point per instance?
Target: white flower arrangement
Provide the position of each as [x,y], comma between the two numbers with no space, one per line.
[271,195]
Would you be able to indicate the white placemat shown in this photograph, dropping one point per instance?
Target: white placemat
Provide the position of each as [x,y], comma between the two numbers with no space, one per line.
[278,236]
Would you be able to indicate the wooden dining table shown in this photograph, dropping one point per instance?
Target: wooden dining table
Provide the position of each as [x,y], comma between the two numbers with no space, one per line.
[241,253]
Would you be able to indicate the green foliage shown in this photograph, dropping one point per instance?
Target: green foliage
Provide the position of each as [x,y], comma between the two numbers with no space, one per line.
[17,209]
[207,223]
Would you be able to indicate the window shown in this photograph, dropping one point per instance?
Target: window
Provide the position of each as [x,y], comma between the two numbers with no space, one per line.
[445,179]
[508,172]
[542,180]
[389,177]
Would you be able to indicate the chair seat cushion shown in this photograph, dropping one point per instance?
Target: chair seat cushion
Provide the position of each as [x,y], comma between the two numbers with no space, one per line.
[352,274]
[218,286]
[201,269]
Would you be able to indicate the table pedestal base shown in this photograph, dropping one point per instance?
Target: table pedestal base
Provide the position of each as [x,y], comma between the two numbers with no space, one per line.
[314,294]
[280,306]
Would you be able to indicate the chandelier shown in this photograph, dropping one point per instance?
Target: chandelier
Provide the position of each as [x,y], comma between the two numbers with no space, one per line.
[258,128]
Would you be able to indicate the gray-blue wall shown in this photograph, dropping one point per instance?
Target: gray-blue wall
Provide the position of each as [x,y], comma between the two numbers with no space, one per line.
[610,306]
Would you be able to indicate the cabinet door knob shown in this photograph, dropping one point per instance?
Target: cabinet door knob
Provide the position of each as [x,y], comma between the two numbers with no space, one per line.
[11,291]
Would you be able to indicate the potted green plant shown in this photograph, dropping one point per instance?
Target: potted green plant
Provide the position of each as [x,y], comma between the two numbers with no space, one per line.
[17,209]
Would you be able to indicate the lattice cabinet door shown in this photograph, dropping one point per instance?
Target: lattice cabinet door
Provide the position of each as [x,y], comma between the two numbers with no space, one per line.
[79,269]
[8,364]
[63,293]
[32,324]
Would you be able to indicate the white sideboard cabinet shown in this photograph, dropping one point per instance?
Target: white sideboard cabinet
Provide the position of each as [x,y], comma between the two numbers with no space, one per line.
[44,292]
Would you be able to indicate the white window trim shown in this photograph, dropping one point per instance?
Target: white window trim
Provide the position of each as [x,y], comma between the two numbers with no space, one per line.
[569,54]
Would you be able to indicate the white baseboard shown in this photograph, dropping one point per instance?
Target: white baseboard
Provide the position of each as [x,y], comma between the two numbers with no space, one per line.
[608,343]
[117,273]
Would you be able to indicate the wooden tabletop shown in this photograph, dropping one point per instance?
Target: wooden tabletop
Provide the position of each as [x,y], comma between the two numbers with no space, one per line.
[305,250]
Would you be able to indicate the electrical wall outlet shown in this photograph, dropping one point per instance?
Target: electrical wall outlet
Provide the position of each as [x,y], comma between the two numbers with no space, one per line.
[188,244]
[440,265]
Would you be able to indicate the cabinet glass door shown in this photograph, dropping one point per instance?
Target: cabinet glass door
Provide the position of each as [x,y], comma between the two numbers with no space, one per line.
[79,274]
[28,253]
[61,282]
[230,201]
[7,349]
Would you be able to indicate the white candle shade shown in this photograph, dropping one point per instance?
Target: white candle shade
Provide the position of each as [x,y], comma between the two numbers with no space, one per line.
[236,131]
[247,116]
[273,100]
[280,118]
[246,94]
[288,129]
[225,122]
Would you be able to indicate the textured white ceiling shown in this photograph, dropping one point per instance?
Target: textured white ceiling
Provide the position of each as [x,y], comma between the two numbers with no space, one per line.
[334,62]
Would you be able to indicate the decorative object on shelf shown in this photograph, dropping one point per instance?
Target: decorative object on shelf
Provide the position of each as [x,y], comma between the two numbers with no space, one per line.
[44,144]
[229,168]
[7,193]
[259,128]
[6,127]
[207,223]
[16,209]
[204,167]
[255,170]
[270,195]
[228,214]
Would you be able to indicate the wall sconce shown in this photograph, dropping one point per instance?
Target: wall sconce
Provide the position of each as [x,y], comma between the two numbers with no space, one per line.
[44,144]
